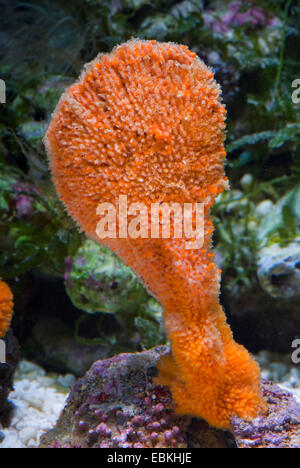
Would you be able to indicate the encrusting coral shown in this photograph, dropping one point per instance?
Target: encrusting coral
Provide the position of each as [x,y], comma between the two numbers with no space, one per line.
[6,308]
[146,121]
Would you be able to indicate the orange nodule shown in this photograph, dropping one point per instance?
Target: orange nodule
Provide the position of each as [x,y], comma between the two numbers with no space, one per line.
[6,308]
[147,121]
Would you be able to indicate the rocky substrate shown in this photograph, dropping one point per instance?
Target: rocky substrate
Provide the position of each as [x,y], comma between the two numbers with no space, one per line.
[117,404]
[279,369]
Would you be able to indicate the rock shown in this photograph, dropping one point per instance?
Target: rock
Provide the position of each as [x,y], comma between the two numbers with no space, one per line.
[58,348]
[97,281]
[27,434]
[117,404]
[279,428]
[278,258]
[279,270]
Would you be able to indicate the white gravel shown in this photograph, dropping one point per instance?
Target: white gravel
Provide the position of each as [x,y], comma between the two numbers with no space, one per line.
[38,399]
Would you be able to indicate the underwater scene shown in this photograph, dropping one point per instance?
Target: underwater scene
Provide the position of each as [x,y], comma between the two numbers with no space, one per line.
[149,226]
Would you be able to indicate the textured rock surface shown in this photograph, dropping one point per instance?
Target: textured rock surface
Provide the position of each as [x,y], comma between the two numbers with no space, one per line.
[117,404]
[97,281]
[58,349]
[279,428]
[279,270]
[278,258]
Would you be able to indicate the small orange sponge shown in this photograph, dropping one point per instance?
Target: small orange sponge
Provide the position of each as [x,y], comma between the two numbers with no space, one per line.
[147,121]
[6,308]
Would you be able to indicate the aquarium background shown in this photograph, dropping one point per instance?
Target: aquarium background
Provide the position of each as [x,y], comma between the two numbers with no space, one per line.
[75,301]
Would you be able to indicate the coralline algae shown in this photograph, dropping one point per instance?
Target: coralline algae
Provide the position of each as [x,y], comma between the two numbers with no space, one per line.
[118,405]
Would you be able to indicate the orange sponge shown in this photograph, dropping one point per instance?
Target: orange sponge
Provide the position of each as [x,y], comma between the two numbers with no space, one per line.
[6,308]
[147,121]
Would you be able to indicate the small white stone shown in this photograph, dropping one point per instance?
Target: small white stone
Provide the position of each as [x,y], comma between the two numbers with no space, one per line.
[28,433]
[57,408]
[11,440]
[32,444]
